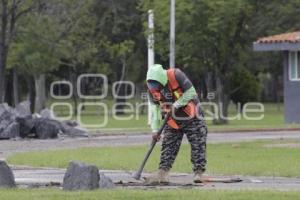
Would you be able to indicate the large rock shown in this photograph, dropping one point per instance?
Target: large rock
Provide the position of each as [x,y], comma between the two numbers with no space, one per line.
[80,176]
[7,117]
[71,123]
[45,128]
[23,109]
[18,122]
[47,114]
[73,130]
[12,131]
[7,179]
[26,125]
[105,182]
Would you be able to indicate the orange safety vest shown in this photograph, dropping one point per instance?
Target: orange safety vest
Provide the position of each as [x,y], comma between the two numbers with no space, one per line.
[190,109]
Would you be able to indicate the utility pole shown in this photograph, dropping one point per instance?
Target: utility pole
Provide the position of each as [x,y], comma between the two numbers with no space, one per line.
[150,38]
[172,34]
[150,51]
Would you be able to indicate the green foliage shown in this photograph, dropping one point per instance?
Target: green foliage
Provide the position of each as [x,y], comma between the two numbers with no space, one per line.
[245,86]
[216,36]
[205,30]
[38,47]
[103,36]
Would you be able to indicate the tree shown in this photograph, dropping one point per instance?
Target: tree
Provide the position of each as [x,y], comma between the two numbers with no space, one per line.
[11,13]
[210,37]
[119,25]
[215,38]
[247,87]
[40,46]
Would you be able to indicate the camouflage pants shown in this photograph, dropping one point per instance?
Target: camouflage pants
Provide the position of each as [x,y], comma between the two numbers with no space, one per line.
[196,133]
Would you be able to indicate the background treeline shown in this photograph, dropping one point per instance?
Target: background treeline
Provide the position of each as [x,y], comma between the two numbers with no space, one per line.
[43,41]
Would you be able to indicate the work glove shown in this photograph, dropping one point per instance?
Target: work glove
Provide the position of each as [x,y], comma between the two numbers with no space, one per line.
[156,137]
[167,108]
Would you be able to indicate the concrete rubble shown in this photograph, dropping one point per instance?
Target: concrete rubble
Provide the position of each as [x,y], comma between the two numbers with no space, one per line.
[7,179]
[19,122]
[80,176]
[105,182]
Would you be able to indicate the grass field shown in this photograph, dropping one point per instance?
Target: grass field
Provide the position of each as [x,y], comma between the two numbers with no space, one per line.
[133,122]
[51,194]
[250,158]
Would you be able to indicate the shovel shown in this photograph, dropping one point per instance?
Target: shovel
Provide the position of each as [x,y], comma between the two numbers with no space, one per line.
[138,174]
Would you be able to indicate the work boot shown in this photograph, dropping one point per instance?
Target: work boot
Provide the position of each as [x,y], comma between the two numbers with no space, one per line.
[199,177]
[162,176]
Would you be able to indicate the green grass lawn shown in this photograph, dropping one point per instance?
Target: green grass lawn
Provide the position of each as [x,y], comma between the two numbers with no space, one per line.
[51,194]
[273,118]
[249,158]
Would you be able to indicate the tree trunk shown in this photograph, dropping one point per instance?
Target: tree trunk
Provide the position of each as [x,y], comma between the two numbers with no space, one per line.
[40,89]
[2,74]
[73,78]
[2,80]
[3,49]
[31,93]
[8,84]
[222,101]
[210,84]
[16,86]
[121,91]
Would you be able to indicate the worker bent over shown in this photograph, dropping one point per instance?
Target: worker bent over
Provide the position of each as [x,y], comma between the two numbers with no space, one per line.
[171,91]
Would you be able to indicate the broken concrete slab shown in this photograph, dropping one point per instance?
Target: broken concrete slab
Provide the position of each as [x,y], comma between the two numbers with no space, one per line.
[7,179]
[23,109]
[80,176]
[105,182]
[73,131]
[47,114]
[71,123]
[26,125]
[45,129]
[19,122]
[7,116]
[12,131]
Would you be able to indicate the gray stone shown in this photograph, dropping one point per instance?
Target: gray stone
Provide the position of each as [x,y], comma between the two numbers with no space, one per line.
[7,114]
[19,122]
[5,121]
[45,128]
[4,107]
[7,117]
[23,109]
[12,131]
[7,179]
[26,125]
[74,131]
[80,176]
[47,114]
[105,182]
[72,123]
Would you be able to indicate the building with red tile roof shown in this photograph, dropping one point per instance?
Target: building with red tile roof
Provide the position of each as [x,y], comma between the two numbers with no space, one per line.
[289,44]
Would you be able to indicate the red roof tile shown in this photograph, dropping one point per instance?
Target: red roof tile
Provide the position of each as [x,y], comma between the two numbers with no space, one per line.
[293,37]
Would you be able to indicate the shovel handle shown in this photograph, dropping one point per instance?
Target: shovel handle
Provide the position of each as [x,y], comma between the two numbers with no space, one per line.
[138,174]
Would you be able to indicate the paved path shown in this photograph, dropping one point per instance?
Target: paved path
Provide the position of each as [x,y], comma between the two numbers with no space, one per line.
[9,147]
[41,177]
